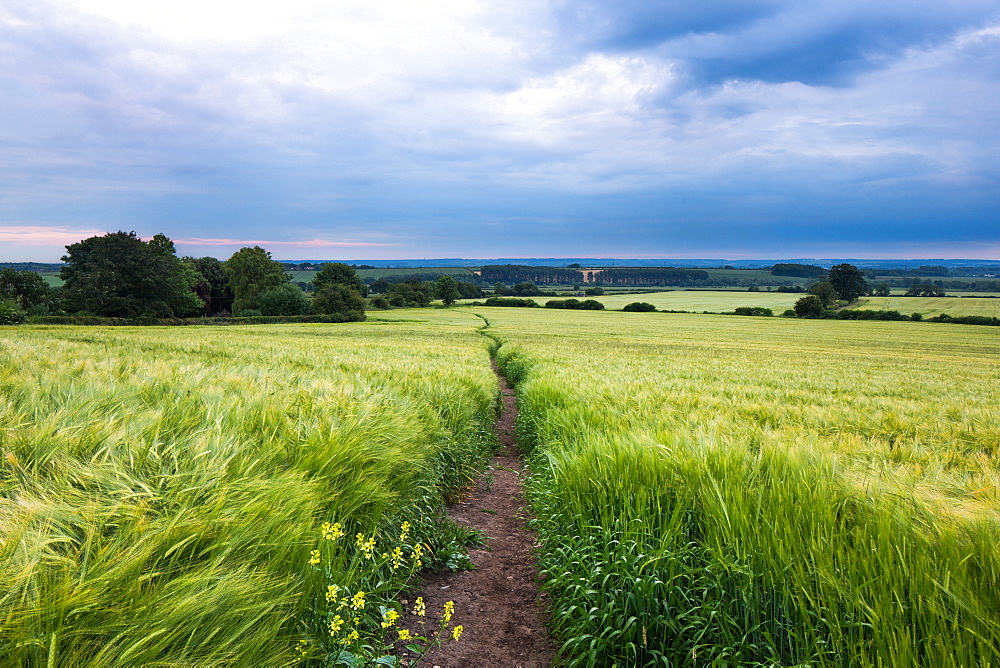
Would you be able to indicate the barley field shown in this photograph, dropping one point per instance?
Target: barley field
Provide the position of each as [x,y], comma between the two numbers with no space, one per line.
[933,306]
[163,491]
[710,489]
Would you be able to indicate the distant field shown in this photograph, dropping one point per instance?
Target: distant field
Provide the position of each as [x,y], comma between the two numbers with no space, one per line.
[51,278]
[932,306]
[460,273]
[698,300]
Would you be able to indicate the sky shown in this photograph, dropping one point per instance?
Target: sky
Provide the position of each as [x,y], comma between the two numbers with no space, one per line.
[376,129]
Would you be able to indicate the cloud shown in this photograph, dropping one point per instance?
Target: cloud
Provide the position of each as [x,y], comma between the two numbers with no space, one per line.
[462,122]
[311,243]
[38,235]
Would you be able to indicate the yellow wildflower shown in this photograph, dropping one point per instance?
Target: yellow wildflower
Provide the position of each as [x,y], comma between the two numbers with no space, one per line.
[358,601]
[366,546]
[390,618]
[405,532]
[420,608]
[335,624]
[417,551]
[303,647]
[332,531]
[331,593]
[449,608]
[397,558]
[456,632]
[404,634]
[351,637]
[314,557]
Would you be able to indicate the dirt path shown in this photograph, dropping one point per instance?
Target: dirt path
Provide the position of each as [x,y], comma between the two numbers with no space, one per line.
[498,603]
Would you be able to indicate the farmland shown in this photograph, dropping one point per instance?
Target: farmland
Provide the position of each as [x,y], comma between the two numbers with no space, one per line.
[933,306]
[715,301]
[792,493]
[706,488]
[164,488]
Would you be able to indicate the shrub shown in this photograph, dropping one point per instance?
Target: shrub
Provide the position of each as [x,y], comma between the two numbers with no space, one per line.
[639,307]
[11,313]
[753,310]
[511,301]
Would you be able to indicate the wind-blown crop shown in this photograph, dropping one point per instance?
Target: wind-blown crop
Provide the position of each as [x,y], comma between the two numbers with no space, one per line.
[162,488]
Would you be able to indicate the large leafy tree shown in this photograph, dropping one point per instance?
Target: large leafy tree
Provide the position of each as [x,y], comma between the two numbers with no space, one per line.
[848,281]
[251,271]
[339,291]
[340,274]
[121,275]
[215,288]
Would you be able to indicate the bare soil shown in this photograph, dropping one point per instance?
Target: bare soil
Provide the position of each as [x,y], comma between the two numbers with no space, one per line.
[498,604]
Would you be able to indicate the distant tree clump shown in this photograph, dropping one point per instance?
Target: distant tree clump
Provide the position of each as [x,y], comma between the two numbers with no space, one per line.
[927,289]
[516,273]
[639,307]
[251,271]
[848,281]
[797,270]
[446,289]
[649,276]
[594,292]
[120,275]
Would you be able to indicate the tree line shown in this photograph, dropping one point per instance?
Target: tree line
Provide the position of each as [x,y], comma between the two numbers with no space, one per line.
[119,275]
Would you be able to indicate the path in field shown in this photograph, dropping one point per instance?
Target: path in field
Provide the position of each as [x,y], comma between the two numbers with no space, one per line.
[498,603]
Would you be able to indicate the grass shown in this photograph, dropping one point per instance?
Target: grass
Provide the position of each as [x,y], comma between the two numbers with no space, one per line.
[795,492]
[162,489]
[932,306]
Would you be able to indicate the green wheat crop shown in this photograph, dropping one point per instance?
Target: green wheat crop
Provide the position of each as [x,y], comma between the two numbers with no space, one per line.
[733,491]
[162,488]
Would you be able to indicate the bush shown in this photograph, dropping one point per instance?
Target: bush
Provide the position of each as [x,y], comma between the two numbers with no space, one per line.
[511,301]
[587,305]
[809,306]
[339,299]
[285,299]
[594,292]
[639,307]
[11,313]
[754,310]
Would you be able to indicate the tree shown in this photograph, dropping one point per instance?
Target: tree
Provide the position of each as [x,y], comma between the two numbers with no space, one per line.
[340,274]
[251,271]
[285,299]
[848,281]
[826,293]
[120,275]
[26,288]
[379,286]
[809,306]
[446,289]
[339,299]
[215,286]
